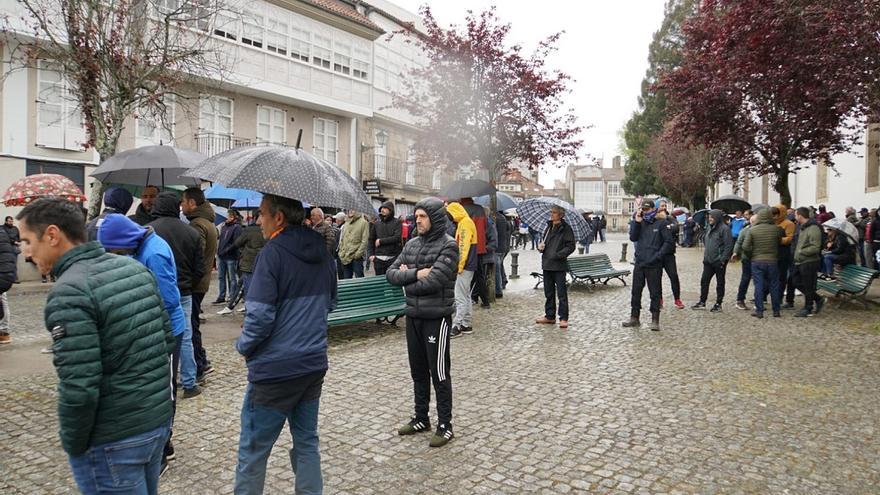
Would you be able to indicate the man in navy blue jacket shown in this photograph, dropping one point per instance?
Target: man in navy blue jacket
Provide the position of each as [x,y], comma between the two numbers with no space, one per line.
[284,343]
[653,240]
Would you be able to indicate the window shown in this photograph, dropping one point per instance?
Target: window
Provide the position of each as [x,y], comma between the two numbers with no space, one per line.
[151,128]
[276,37]
[380,154]
[59,121]
[360,66]
[341,58]
[215,115]
[321,51]
[326,135]
[410,162]
[588,195]
[299,43]
[510,187]
[252,30]
[74,172]
[630,208]
[614,189]
[271,125]
[196,13]
[225,26]
[872,156]
[615,206]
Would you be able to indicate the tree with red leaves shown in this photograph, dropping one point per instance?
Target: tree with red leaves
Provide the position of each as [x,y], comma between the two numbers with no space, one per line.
[776,83]
[482,102]
[685,169]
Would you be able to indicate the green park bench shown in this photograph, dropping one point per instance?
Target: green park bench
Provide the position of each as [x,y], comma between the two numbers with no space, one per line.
[369,298]
[589,268]
[852,284]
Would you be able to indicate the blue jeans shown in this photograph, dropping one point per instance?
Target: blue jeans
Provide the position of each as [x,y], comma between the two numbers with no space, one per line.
[764,274]
[187,356]
[827,264]
[260,427]
[227,272]
[355,269]
[500,274]
[130,465]
[744,281]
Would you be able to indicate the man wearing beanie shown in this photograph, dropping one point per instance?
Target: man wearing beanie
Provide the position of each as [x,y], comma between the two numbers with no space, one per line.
[120,235]
[116,200]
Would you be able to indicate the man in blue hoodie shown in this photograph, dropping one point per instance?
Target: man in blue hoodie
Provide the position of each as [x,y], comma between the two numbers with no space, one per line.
[284,344]
[121,235]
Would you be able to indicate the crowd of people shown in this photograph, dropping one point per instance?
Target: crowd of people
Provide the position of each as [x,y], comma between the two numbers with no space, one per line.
[125,309]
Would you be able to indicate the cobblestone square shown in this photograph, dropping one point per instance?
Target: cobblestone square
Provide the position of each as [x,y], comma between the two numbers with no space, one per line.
[714,403]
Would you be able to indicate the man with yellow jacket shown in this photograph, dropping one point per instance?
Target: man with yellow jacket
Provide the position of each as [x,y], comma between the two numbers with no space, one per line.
[466,238]
[785,254]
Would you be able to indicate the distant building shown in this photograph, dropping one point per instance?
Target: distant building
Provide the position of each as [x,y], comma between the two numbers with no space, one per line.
[514,183]
[596,189]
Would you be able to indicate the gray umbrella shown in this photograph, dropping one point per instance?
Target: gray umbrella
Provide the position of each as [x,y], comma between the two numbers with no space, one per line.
[467,188]
[287,172]
[150,165]
[842,225]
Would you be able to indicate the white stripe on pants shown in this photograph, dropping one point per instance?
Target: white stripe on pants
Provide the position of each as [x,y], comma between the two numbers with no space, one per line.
[463,302]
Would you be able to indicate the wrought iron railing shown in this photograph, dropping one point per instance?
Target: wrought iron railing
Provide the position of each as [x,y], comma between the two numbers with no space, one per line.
[211,144]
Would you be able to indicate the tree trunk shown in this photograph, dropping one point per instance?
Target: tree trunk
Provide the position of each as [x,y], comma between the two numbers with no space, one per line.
[780,185]
[698,202]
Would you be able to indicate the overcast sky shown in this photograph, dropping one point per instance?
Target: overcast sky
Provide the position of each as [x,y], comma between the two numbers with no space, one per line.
[604,48]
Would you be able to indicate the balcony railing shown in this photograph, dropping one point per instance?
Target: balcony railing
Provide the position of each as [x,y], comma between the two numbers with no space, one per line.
[211,144]
[397,171]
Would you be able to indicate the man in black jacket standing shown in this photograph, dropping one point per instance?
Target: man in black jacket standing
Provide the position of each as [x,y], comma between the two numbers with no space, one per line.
[427,269]
[186,245]
[653,240]
[502,225]
[718,249]
[555,249]
[386,237]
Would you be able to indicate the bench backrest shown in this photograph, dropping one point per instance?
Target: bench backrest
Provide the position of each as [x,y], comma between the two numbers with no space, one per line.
[590,263]
[366,292]
[855,278]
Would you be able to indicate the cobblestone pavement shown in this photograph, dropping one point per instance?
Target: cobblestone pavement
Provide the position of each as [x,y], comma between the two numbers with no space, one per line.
[715,403]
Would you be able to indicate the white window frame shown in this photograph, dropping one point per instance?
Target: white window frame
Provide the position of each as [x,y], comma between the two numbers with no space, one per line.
[253,30]
[215,116]
[67,131]
[615,206]
[300,44]
[360,63]
[380,155]
[342,57]
[322,139]
[271,125]
[322,51]
[225,26]
[277,37]
[158,129]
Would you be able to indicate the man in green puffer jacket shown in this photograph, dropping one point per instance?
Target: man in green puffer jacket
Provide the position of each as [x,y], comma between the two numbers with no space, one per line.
[807,259]
[762,248]
[112,345]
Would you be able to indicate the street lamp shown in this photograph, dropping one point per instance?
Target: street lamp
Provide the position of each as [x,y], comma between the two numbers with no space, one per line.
[381,141]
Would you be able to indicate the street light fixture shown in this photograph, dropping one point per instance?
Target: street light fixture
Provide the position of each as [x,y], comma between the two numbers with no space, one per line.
[381,141]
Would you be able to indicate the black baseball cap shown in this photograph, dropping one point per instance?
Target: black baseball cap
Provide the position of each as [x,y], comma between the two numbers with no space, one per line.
[647,204]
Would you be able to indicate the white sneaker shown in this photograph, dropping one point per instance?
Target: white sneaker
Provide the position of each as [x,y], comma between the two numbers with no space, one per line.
[241,310]
[225,311]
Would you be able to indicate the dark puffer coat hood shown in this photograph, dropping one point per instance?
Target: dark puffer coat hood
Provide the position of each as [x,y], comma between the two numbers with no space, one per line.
[167,204]
[434,296]
[390,206]
[183,239]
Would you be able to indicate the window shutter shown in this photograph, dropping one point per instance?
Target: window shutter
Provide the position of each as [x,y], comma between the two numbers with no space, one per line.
[50,108]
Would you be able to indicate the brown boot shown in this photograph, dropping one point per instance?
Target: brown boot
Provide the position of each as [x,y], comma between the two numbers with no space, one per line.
[545,321]
[633,322]
[655,322]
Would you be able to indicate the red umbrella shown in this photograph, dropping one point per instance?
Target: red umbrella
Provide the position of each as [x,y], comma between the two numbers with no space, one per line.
[34,187]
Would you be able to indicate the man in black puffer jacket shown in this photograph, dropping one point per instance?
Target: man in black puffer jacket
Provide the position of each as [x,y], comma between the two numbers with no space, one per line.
[186,245]
[427,269]
[386,237]
[653,240]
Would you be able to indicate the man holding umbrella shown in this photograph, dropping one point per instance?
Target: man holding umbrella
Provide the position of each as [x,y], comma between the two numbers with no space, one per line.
[653,242]
[558,243]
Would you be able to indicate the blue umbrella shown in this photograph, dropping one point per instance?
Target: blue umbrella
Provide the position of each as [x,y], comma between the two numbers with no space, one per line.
[536,212]
[231,193]
[504,201]
[249,203]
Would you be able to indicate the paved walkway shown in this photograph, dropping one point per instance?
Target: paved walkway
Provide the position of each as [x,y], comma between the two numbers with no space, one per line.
[715,403]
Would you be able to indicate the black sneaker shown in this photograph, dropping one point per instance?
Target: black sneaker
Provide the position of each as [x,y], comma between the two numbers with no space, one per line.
[192,392]
[414,426]
[777,314]
[201,380]
[820,301]
[788,305]
[716,308]
[741,305]
[169,451]
[803,313]
[442,436]
[209,368]
[219,301]
[467,330]
[699,305]
[757,314]
[456,332]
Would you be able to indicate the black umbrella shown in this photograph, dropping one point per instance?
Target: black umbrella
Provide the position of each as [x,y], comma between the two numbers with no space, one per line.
[467,188]
[287,172]
[730,204]
[150,165]
[700,217]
